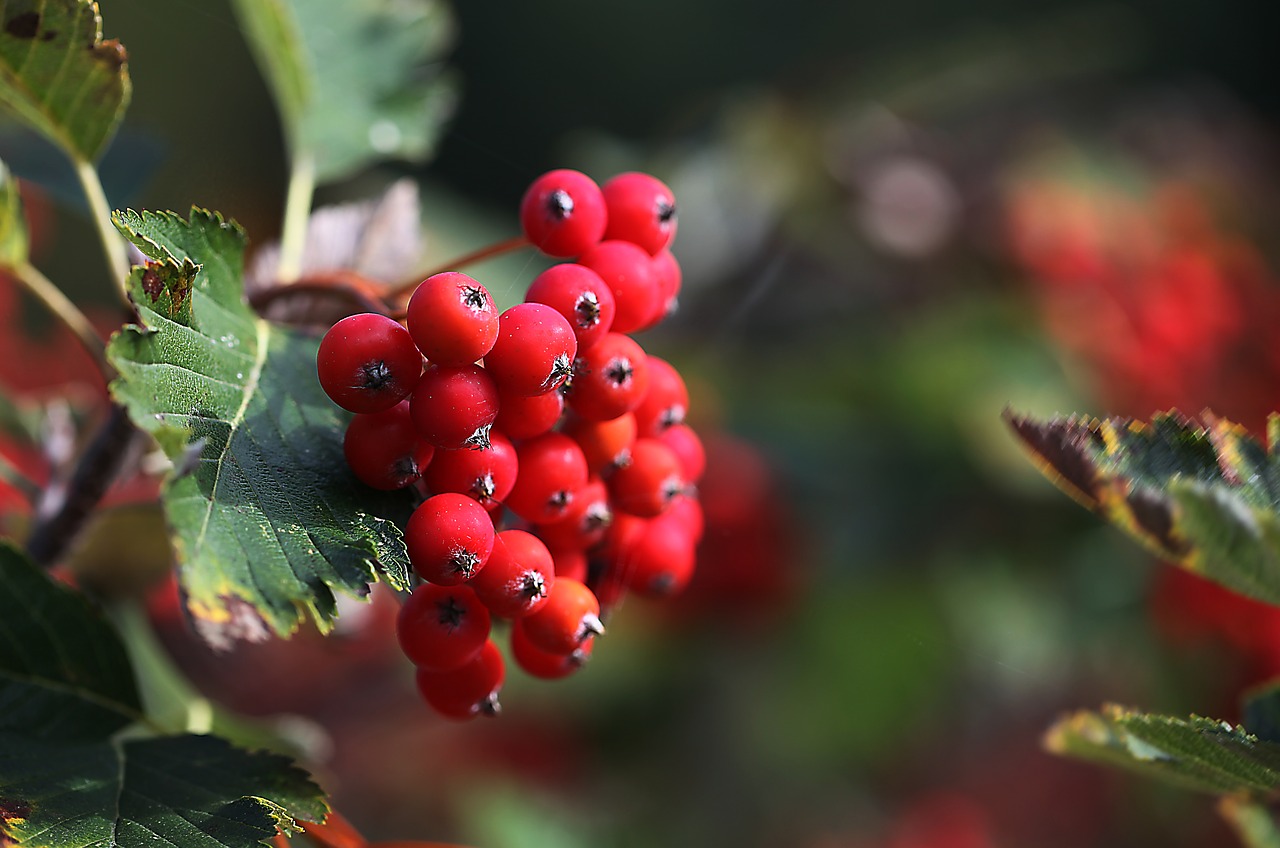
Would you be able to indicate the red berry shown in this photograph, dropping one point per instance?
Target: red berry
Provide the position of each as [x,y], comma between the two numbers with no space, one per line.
[486,474]
[609,379]
[650,482]
[665,402]
[442,627]
[687,510]
[454,406]
[563,213]
[570,616]
[383,448]
[449,537]
[570,563]
[584,522]
[546,665]
[661,558]
[452,319]
[642,210]
[534,352]
[552,468]
[667,279]
[577,293]
[628,272]
[526,416]
[368,363]
[605,444]
[518,577]
[687,447]
[467,691]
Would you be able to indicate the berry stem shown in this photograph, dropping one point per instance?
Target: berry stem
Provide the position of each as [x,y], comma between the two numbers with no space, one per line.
[67,312]
[297,213]
[113,244]
[487,252]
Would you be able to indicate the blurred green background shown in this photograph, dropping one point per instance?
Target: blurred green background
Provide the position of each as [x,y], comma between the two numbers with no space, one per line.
[896,604]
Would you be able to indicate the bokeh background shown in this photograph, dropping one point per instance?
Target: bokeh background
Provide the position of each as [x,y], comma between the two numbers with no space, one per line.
[896,221]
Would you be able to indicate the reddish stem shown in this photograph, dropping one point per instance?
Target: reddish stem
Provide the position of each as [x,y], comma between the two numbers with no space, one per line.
[496,249]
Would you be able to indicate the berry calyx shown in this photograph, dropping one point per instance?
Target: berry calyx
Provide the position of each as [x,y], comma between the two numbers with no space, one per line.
[454,406]
[442,627]
[368,363]
[570,616]
[449,538]
[642,210]
[467,691]
[452,319]
[383,448]
[534,352]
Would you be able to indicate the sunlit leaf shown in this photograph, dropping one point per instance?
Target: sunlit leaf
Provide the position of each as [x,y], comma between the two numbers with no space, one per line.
[356,81]
[266,520]
[1194,753]
[1204,497]
[59,76]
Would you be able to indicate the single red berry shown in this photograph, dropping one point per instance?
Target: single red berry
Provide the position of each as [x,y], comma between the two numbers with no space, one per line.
[518,577]
[552,468]
[442,627]
[642,210]
[661,559]
[667,279]
[534,352]
[585,521]
[686,445]
[452,319]
[577,293]
[526,416]
[383,448]
[605,444]
[546,665]
[611,559]
[468,691]
[486,474]
[652,480]
[687,509]
[666,400]
[609,379]
[563,213]
[570,616]
[628,272]
[571,563]
[368,363]
[454,406]
[449,537]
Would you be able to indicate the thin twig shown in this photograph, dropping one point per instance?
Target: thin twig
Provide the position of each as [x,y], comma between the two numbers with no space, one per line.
[487,252]
[297,213]
[61,516]
[113,243]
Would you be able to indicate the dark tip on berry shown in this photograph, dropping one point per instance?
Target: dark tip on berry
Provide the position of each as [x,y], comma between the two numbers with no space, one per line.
[465,563]
[578,658]
[482,488]
[474,297]
[479,440]
[451,613]
[560,500]
[490,706]
[619,371]
[672,488]
[561,370]
[587,310]
[375,375]
[404,471]
[591,626]
[671,416]
[533,585]
[559,204]
[663,584]
[666,211]
[597,516]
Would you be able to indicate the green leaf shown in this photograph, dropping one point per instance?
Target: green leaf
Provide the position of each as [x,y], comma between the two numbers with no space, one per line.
[266,519]
[59,76]
[1193,753]
[356,81]
[13,228]
[1204,497]
[180,790]
[64,673]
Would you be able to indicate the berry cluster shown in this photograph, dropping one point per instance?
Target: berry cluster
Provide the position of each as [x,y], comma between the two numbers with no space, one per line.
[556,470]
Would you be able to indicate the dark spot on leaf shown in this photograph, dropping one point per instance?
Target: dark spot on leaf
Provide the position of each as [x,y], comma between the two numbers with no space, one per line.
[111,53]
[1066,446]
[25,25]
[152,283]
[1151,512]
[48,35]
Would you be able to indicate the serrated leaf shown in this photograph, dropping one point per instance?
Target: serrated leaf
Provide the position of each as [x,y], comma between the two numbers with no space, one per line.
[1204,497]
[64,673]
[13,227]
[356,81]
[59,76]
[1193,753]
[196,791]
[266,520]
